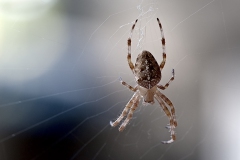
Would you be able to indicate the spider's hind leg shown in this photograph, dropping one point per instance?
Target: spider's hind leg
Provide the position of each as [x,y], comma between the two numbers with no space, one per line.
[169,103]
[130,114]
[125,111]
[171,117]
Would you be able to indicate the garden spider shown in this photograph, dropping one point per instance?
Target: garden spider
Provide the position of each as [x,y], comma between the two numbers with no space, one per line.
[147,74]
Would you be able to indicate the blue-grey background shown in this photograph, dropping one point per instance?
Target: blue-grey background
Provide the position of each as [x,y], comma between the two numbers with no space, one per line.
[60,63]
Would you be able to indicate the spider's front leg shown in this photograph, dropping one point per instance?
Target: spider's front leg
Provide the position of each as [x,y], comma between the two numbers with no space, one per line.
[163,45]
[129,49]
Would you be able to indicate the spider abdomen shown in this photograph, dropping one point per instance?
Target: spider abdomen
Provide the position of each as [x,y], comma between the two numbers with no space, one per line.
[147,71]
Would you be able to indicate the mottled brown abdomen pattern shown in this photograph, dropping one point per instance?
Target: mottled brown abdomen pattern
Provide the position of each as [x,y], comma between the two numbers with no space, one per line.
[147,71]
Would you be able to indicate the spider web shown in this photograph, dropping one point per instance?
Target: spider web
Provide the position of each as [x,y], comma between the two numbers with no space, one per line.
[60,64]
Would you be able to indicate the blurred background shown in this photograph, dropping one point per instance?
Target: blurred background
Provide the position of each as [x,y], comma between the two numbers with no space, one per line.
[60,63]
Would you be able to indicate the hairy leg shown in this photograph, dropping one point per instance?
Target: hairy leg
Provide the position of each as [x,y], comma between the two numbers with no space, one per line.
[130,114]
[163,45]
[166,85]
[129,49]
[125,111]
[171,125]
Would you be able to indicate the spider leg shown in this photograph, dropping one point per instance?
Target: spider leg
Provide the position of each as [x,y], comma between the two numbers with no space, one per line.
[166,85]
[129,49]
[125,111]
[163,45]
[171,125]
[166,100]
[130,114]
[134,89]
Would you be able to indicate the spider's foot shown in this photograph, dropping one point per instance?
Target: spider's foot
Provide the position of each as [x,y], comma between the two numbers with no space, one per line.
[112,124]
[168,142]
[173,72]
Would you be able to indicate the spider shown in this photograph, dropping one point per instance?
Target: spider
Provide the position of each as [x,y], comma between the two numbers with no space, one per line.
[147,73]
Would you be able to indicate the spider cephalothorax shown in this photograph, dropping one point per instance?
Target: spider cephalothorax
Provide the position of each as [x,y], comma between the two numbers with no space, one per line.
[147,74]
